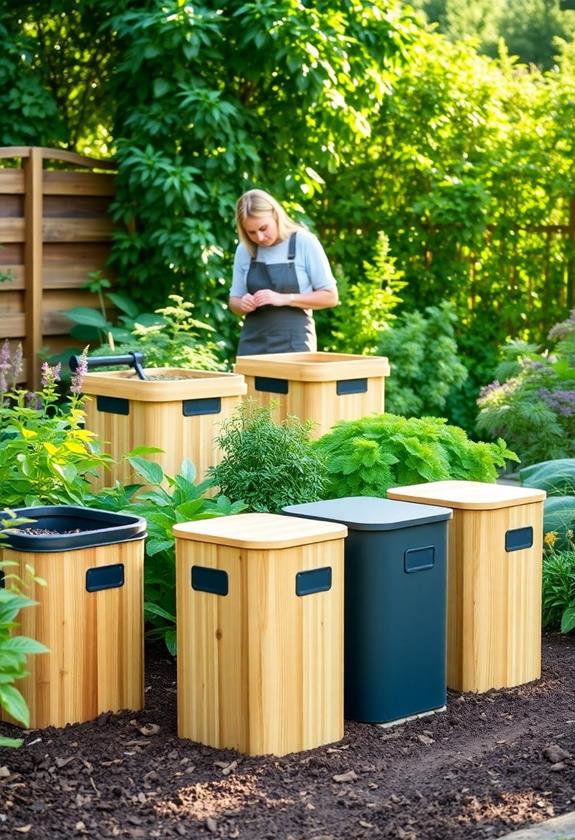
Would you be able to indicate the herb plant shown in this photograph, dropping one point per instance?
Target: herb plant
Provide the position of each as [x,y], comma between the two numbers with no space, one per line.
[366,457]
[170,336]
[46,456]
[267,465]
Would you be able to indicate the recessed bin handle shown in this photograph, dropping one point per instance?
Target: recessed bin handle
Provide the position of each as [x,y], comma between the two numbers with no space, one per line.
[350,386]
[105,577]
[214,581]
[518,538]
[135,360]
[316,580]
[419,559]
[271,386]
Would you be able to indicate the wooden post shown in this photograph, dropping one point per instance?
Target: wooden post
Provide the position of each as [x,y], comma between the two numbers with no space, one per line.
[33,166]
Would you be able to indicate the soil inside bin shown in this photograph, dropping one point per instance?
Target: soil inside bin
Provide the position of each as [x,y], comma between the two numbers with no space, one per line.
[487,765]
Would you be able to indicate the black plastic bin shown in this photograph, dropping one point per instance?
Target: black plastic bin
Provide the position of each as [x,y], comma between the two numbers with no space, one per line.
[395,604]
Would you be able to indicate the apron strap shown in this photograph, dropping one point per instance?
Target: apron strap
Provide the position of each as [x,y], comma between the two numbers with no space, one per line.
[291,249]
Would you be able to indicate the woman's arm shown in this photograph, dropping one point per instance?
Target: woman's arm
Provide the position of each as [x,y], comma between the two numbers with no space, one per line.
[319,299]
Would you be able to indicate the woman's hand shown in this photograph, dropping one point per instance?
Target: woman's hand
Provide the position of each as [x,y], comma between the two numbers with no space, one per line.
[243,305]
[265,297]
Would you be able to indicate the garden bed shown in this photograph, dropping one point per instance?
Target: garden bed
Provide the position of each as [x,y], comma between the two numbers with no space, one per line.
[488,764]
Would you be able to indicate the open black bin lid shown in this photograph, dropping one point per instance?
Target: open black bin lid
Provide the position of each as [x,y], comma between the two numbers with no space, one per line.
[370,513]
[75,527]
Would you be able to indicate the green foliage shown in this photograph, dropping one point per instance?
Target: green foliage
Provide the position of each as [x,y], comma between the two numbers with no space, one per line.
[56,57]
[168,337]
[367,306]
[557,478]
[534,410]
[425,366]
[14,649]
[267,465]
[559,585]
[357,118]
[366,457]
[164,501]
[46,454]
[529,28]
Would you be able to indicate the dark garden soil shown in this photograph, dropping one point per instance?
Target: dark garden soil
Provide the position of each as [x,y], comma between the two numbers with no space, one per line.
[487,765]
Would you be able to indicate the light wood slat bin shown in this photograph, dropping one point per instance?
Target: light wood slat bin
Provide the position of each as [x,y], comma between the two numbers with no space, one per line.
[95,662]
[179,416]
[494,580]
[323,387]
[260,632]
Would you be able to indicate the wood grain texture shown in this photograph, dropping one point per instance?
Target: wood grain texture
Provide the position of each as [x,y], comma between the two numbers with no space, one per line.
[55,229]
[95,662]
[260,669]
[494,595]
[260,530]
[312,386]
[312,367]
[155,418]
[467,495]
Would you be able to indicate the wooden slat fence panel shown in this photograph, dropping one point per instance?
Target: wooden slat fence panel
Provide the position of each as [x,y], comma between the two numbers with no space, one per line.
[55,229]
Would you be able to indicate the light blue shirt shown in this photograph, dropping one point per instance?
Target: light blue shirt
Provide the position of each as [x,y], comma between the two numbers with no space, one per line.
[312,267]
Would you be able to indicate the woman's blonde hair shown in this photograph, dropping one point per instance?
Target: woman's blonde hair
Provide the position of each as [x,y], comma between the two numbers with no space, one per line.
[254,203]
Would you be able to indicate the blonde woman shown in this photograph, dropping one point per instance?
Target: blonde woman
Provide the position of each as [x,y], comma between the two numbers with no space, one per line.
[281,273]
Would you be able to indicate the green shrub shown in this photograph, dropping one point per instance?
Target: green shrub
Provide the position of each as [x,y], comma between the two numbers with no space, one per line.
[366,305]
[425,366]
[534,409]
[366,457]
[267,465]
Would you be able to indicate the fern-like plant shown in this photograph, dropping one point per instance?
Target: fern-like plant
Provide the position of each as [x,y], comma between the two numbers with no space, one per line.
[366,457]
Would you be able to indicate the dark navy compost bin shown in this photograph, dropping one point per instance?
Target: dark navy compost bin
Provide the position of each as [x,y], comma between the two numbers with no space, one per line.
[395,604]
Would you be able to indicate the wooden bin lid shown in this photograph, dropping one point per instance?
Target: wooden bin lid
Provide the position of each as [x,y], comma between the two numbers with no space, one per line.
[259,530]
[189,384]
[468,495]
[313,367]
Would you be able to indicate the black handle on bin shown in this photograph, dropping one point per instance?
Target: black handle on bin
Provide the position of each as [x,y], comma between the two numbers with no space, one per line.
[135,360]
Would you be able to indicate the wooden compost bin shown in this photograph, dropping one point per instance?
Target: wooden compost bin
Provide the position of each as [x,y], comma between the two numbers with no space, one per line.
[260,632]
[323,387]
[494,580]
[89,614]
[179,415]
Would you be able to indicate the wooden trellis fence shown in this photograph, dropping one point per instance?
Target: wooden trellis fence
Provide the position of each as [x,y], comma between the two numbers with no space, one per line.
[54,230]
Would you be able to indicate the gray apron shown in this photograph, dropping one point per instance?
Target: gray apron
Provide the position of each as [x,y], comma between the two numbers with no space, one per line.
[276,329]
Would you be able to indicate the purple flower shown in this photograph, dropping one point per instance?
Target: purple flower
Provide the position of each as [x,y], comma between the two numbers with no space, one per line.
[17,364]
[50,375]
[488,389]
[77,382]
[564,328]
[562,402]
[33,400]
